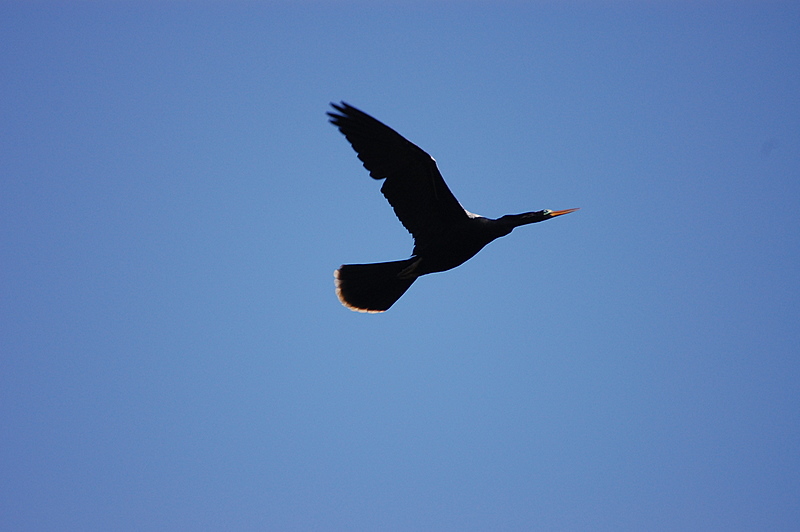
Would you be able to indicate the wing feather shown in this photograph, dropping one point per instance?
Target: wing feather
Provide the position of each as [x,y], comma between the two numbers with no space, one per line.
[413,185]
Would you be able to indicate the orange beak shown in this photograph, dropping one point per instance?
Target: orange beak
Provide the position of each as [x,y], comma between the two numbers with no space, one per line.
[559,213]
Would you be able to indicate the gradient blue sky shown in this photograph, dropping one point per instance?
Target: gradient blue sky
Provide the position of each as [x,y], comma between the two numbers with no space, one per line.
[174,204]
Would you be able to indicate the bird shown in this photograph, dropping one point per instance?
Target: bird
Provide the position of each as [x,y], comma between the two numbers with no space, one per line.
[445,234]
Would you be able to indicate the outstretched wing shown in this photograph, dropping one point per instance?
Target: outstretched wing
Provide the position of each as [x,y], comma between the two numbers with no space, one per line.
[413,186]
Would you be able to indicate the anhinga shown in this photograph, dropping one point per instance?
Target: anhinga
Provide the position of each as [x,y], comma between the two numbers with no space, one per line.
[445,234]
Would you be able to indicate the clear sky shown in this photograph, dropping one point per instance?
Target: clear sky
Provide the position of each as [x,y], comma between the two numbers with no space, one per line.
[173,204]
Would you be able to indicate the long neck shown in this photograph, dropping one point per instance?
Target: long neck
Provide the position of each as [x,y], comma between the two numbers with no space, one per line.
[515,220]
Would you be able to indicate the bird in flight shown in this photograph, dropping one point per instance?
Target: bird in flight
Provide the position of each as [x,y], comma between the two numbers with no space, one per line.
[445,234]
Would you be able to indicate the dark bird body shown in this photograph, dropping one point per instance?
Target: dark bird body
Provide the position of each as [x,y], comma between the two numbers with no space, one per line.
[445,234]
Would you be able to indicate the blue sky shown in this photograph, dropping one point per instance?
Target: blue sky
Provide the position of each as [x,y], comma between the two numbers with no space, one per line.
[174,204]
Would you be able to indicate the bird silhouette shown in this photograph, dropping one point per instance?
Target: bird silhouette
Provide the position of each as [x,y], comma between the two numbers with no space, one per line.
[445,234]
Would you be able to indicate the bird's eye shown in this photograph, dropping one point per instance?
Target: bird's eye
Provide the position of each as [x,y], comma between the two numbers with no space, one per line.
[547,212]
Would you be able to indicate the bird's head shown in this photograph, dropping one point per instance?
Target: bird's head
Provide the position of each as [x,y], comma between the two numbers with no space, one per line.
[525,218]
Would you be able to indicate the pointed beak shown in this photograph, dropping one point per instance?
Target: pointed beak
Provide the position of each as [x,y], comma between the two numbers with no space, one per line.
[559,213]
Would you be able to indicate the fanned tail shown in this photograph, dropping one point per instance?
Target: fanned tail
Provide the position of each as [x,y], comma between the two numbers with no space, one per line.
[372,287]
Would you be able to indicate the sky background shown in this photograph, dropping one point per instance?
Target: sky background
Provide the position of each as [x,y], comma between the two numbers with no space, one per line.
[173,204]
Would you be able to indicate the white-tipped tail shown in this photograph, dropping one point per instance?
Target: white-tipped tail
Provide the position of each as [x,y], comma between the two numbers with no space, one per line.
[372,287]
